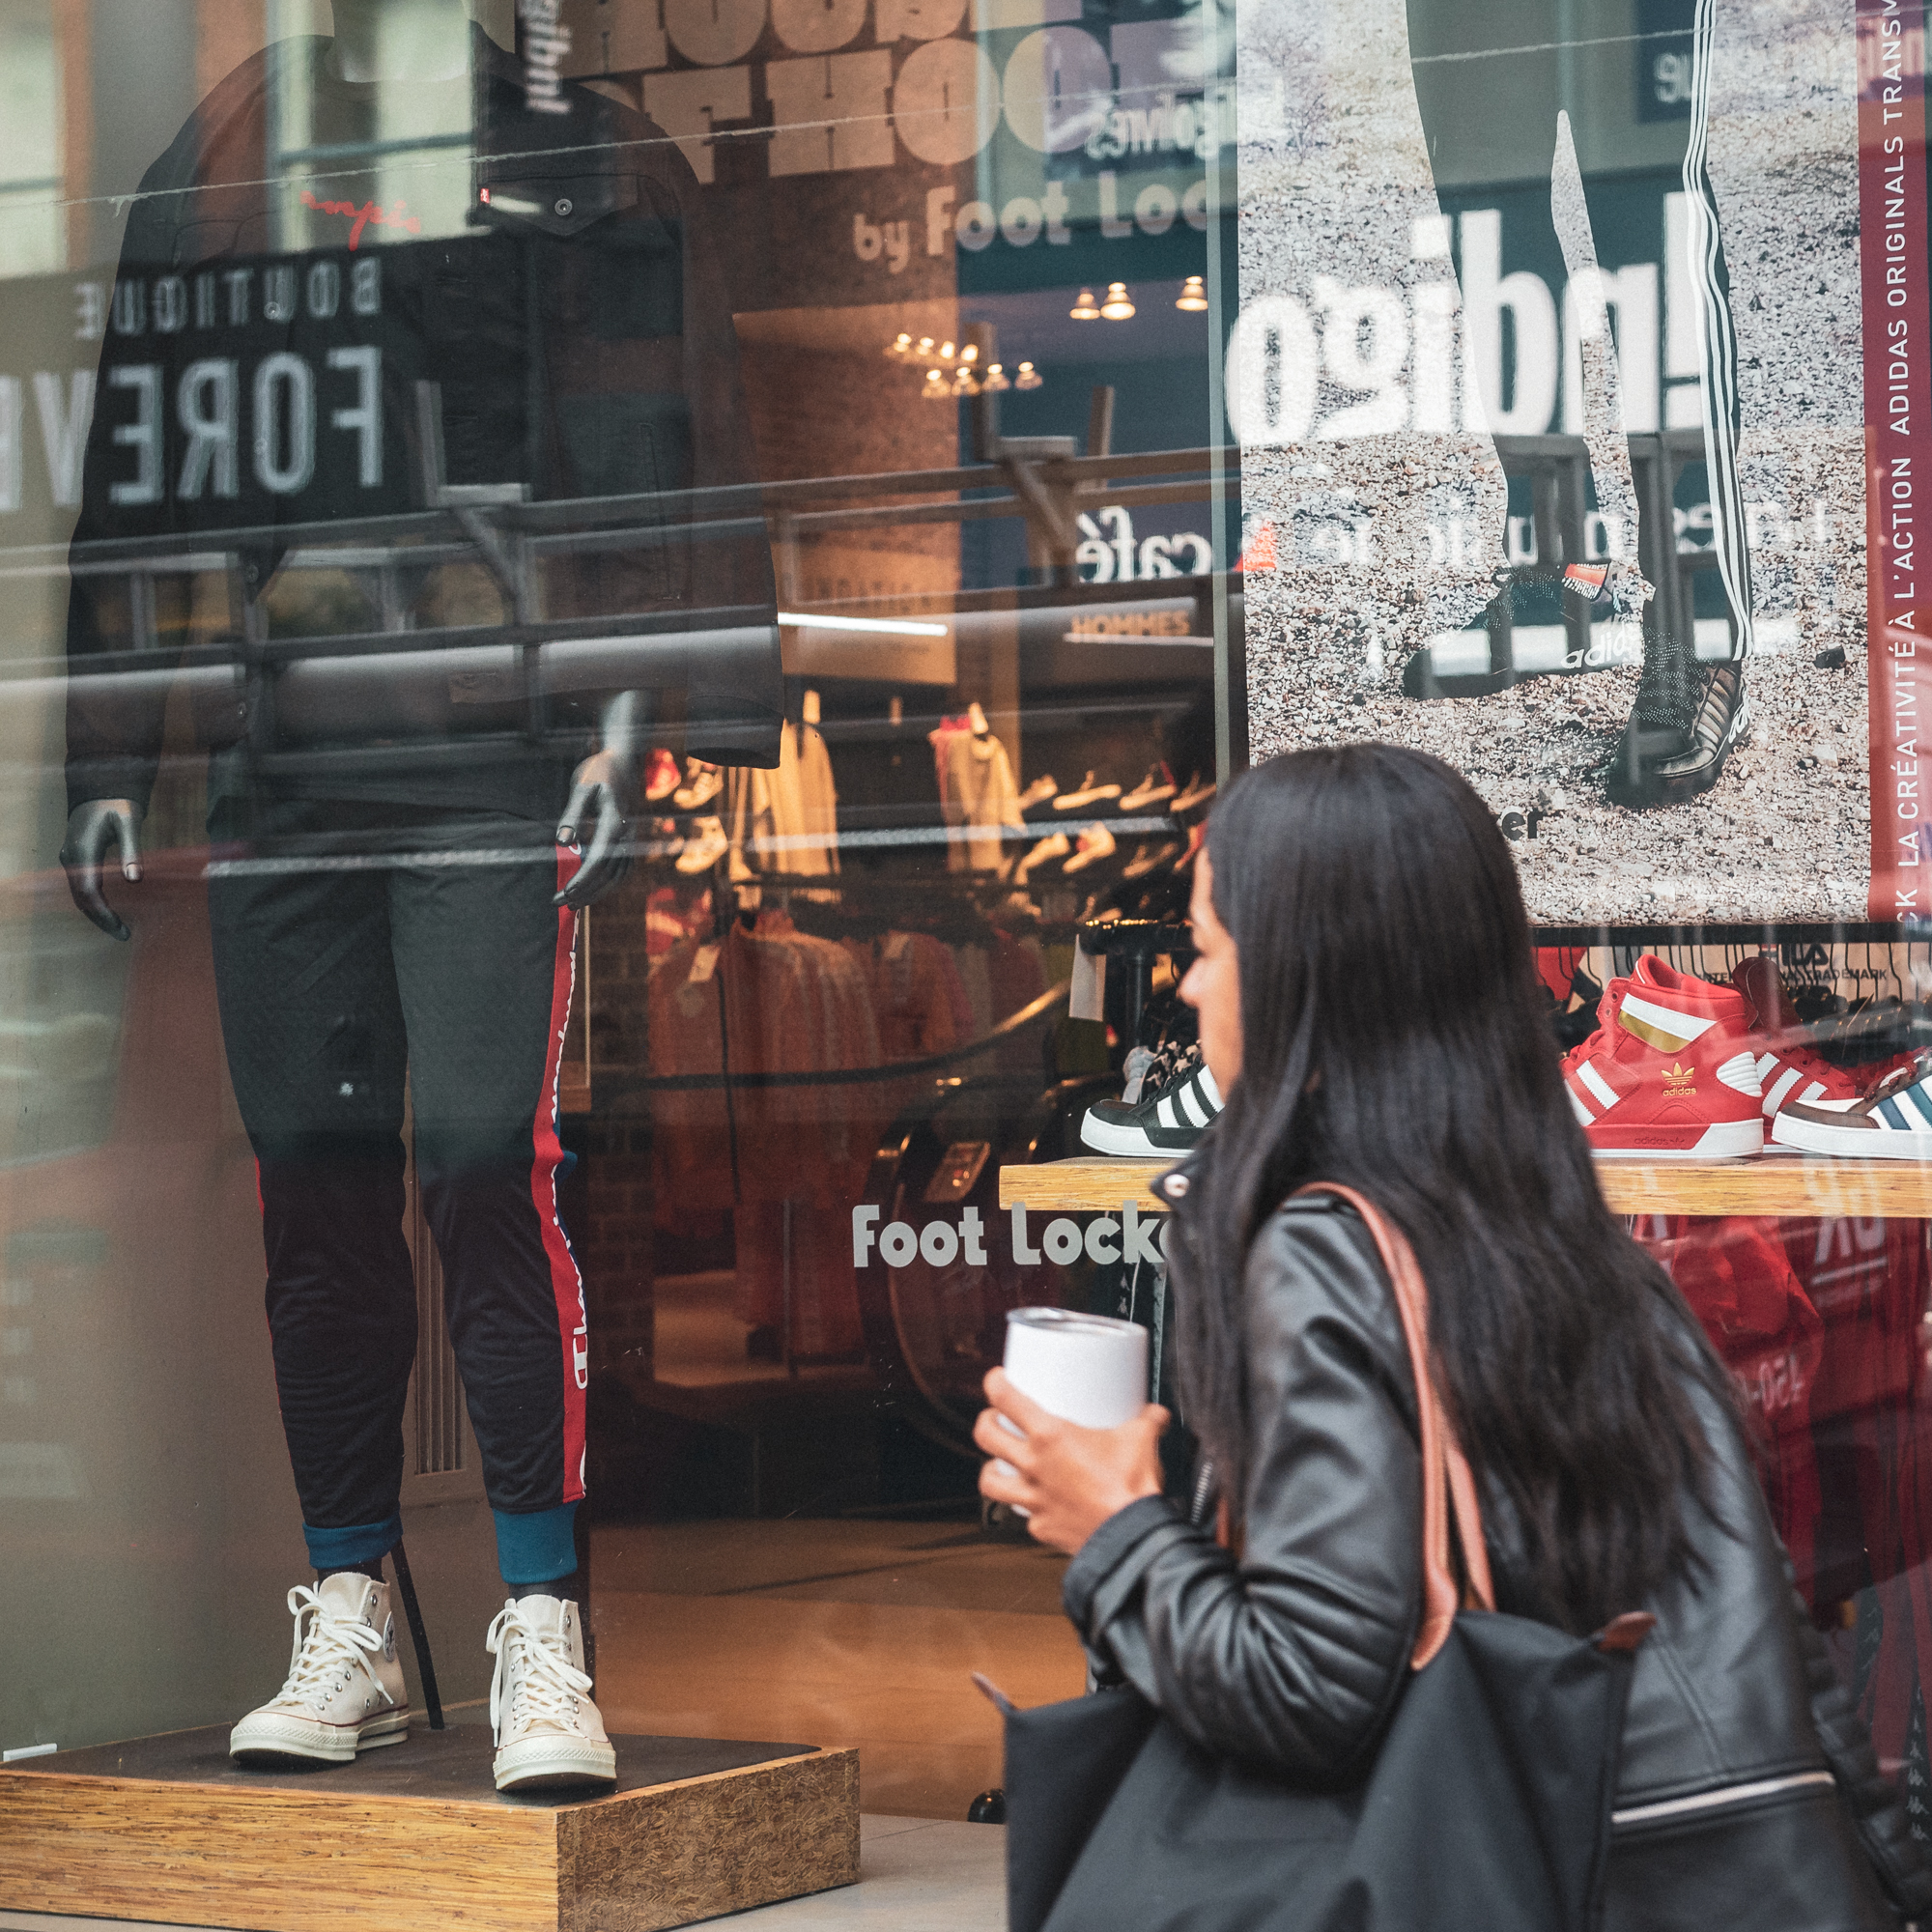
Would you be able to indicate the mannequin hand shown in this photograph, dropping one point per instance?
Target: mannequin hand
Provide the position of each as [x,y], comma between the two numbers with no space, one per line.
[1070,1479]
[95,824]
[604,783]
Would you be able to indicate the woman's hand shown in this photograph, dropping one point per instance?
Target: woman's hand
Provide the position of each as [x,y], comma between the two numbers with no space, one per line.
[1070,1479]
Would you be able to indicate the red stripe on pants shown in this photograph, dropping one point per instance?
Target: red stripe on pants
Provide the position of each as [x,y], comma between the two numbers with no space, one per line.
[572,1320]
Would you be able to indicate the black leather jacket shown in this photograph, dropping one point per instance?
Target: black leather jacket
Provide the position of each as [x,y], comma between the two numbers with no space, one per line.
[1290,1656]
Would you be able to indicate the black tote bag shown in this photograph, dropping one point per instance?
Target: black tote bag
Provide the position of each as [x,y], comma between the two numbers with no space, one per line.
[1487,1803]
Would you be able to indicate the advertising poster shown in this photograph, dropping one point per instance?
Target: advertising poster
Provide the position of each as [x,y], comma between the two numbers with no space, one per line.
[1581,387]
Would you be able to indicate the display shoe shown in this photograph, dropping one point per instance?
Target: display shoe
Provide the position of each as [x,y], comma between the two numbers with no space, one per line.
[661,775]
[703,783]
[1057,847]
[1894,1121]
[1787,1070]
[345,1691]
[1089,795]
[705,847]
[1151,858]
[1041,792]
[1193,797]
[1642,775]
[1096,844]
[1671,1072]
[1169,1116]
[1156,788]
[549,1733]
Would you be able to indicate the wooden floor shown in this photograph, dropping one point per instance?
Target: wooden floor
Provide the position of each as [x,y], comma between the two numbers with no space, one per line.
[846,1633]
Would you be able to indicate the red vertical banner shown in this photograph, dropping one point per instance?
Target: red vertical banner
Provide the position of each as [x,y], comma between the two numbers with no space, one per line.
[1896,308]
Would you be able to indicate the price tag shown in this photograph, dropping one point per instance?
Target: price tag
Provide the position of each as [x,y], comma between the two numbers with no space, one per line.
[702,966]
[1087,999]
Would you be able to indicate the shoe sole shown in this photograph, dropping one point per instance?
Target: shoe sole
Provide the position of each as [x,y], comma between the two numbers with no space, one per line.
[1724,1139]
[1104,1137]
[554,1764]
[273,1739]
[1852,1143]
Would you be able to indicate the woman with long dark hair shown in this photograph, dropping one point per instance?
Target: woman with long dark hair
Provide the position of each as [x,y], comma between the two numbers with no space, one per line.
[1370,1011]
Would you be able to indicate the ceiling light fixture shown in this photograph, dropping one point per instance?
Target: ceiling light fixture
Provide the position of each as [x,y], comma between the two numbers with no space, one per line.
[1084,310]
[1193,295]
[1119,306]
[1029,378]
[890,627]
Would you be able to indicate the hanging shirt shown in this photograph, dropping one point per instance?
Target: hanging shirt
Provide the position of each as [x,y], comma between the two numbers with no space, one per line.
[977,794]
[785,820]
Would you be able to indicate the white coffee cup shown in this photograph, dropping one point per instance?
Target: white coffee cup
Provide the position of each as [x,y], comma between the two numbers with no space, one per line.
[1088,1369]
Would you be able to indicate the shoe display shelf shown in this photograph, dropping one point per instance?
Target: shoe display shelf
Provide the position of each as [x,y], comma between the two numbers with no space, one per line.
[1768,1185]
[415,1839]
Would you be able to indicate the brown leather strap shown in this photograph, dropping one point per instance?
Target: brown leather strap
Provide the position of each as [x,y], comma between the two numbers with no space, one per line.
[1447,1483]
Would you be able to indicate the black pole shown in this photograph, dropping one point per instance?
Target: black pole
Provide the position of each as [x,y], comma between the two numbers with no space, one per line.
[418,1635]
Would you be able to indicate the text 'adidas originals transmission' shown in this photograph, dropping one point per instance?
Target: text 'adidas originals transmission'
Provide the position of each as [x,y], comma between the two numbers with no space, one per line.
[345,1689]
[1175,1108]
[549,1733]
[1671,1073]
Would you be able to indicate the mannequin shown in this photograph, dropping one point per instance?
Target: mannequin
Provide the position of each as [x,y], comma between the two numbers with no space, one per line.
[441,953]
[602,793]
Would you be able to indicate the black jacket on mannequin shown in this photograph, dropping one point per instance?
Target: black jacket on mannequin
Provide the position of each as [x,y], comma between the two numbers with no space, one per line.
[1289,1657]
[272,322]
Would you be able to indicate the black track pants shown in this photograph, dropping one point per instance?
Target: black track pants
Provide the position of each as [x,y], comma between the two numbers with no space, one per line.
[355,943]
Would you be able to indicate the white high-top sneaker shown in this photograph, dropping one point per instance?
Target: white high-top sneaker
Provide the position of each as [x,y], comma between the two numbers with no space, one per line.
[345,1689]
[549,1732]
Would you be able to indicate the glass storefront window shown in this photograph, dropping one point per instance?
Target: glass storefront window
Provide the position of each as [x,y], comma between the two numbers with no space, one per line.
[658,593]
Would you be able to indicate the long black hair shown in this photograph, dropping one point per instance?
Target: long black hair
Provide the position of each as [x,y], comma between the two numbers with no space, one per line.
[1394,1039]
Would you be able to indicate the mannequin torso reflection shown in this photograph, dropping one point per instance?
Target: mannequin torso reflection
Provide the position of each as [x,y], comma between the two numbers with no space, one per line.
[410,928]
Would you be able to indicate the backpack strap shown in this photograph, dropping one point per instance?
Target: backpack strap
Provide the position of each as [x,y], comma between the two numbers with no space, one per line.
[1448,1485]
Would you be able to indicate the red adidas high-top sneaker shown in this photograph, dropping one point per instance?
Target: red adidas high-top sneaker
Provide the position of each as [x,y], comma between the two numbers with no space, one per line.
[1787,1068]
[1672,1073]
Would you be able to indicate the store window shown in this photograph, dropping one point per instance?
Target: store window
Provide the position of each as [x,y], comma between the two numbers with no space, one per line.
[870,470]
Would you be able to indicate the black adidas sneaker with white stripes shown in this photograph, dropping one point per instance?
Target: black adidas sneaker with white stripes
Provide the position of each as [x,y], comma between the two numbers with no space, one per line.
[1167,1118]
[1661,768]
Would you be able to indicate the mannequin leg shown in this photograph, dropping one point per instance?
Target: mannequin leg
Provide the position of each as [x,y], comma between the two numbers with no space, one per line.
[313,1037]
[1689,717]
[1482,75]
[484,962]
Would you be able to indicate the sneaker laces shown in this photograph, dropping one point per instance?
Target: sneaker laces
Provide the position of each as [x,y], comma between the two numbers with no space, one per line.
[1910,1074]
[1172,1065]
[332,1644]
[545,1686]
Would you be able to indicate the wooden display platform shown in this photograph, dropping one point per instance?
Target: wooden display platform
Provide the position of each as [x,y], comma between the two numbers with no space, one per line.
[1772,1184]
[414,1837]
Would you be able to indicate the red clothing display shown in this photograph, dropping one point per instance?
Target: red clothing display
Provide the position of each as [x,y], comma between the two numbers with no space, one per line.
[1735,1274]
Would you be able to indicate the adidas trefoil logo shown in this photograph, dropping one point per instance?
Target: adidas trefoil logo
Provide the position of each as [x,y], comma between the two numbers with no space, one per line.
[1679,1079]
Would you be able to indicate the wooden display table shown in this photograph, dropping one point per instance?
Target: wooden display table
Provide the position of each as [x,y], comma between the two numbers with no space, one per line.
[414,1838]
[1772,1184]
